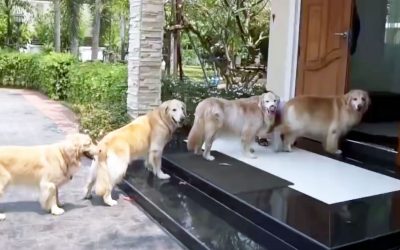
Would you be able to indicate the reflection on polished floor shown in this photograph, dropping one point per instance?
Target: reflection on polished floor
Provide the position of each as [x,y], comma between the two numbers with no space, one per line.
[310,202]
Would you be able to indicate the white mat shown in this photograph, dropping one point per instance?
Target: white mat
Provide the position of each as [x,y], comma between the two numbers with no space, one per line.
[325,179]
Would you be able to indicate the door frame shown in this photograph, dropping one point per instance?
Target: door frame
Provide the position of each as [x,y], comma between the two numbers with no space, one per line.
[293,49]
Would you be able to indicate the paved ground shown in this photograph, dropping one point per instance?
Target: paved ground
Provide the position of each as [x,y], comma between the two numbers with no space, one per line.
[27,118]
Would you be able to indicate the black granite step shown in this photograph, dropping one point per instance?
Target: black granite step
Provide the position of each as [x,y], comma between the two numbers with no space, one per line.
[193,217]
[295,218]
[205,213]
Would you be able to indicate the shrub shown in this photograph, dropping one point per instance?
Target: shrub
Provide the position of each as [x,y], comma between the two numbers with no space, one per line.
[191,93]
[96,91]
[47,73]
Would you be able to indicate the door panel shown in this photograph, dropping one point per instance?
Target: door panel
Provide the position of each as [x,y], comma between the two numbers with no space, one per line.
[324,47]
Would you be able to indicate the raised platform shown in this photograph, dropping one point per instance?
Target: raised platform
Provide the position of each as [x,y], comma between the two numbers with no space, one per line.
[312,202]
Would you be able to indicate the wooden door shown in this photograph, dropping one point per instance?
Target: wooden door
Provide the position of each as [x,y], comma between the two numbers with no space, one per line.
[325,27]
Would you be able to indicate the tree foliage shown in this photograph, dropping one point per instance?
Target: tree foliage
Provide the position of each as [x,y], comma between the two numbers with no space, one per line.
[7,9]
[226,29]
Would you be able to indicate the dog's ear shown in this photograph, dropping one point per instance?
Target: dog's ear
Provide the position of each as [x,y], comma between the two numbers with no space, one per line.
[71,151]
[164,107]
[260,102]
[184,108]
[347,99]
[367,100]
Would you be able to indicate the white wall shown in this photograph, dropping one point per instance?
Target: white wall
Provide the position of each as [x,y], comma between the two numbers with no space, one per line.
[283,43]
[85,53]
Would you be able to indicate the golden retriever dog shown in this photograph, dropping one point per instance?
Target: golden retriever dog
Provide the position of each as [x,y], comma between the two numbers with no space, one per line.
[45,166]
[246,117]
[145,137]
[323,118]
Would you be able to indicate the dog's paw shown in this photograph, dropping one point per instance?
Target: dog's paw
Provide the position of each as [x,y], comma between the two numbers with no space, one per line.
[209,157]
[57,211]
[338,152]
[2,217]
[163,176]
[88,196]
[251,155]
[287,148]
[111,202]
[262,142]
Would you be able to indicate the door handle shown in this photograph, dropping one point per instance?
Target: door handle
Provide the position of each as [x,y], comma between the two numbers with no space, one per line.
[343,35]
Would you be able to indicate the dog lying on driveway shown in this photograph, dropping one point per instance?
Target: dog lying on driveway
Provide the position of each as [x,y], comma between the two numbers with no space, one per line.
[145,137]
[46,166]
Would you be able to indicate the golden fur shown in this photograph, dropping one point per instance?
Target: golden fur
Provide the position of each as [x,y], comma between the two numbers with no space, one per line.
[323,118]
[246,117]
[145,137]
[45,166]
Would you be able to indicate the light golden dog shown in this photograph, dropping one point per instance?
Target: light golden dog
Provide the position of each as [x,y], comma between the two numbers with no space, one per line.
[323,118]
[247,117]
[145,137]
[46,166]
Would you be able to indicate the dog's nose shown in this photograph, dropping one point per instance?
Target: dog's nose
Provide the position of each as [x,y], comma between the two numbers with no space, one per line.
[182,120]
[272,108]
[359,107]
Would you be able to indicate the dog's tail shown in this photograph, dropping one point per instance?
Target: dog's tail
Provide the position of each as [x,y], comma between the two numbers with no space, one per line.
[103,180]
[196,134]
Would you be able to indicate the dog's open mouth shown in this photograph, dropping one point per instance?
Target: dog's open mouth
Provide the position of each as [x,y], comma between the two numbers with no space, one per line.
[88,155]
[359,108]
[271,110]
[179,124]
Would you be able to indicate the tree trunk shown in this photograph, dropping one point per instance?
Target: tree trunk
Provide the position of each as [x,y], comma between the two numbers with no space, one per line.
[57,26]
[74,46]
[174,42]
[96,29]
[9,29]
[122,27]
[178,38]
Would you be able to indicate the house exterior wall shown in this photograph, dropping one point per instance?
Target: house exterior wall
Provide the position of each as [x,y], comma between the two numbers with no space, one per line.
[145,55]
[283,47]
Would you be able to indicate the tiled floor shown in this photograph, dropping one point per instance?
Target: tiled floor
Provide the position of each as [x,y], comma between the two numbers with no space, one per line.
[325,179]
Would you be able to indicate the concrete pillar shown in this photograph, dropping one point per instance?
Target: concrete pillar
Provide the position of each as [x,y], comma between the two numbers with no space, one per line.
[145,55]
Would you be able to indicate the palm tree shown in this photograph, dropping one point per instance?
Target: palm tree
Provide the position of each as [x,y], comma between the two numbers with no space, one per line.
[96,28]
[57,25]
[71,13]
[75,12]
[8,7]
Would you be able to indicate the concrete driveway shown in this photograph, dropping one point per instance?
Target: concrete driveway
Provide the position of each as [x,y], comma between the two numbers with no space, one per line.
[29,118]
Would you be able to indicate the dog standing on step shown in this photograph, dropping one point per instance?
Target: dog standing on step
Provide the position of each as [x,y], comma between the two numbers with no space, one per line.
[324,118]
[247,117]
[145,137]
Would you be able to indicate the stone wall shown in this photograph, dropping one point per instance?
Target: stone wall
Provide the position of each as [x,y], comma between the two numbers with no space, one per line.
[145,55]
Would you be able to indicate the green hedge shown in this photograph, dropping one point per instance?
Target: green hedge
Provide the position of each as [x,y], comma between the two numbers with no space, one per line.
[96,91]
[99,93]
[47,73]
[193,92]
